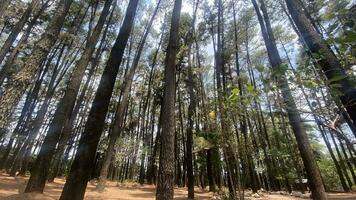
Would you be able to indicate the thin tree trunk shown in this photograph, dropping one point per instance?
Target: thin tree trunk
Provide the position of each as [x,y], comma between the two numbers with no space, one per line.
[315,181]
[191,86]
[337,166]
[5,70]
[14,91]
[229,154]
[17,29]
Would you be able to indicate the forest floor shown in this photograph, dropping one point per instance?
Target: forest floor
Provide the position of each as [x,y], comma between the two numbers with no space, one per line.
[12,189]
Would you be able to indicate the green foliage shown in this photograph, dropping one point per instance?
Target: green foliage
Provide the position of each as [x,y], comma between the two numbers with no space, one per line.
[200,143]
[329,174]
[234,94]
[281,70]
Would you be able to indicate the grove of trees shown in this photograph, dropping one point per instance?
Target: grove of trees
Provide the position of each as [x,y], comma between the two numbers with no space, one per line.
[225,95]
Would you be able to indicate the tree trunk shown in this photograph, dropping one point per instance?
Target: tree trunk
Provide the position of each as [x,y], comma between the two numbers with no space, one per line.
[17,29]
[314,177]
[151,175]
[14,91]
[82,166]
[5,70]
[165,187]
[191,86]
[229,154]
[64,109]
[330,65]
[336,163]
[119,116]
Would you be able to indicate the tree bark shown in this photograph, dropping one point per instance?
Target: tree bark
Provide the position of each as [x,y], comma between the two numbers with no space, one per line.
[311,167]
[119,116]
[328,62]
[64,109]
[14,91]
[17,29]
[165,187]
[82,166]
[6,70]
[191,86]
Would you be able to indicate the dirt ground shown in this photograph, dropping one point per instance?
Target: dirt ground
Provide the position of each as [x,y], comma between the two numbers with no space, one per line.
[12,189]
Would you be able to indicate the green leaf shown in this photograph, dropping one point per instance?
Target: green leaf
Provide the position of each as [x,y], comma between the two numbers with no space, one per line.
[250,88]
[235,91]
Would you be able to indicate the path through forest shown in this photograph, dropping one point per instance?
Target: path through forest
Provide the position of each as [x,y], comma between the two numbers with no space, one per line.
[12,189]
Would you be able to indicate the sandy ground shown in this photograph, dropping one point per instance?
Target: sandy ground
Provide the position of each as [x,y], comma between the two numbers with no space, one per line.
[12,189]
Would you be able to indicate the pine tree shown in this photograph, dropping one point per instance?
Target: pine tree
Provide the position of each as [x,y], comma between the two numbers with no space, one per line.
[82,166]
[14,91]
[165,185]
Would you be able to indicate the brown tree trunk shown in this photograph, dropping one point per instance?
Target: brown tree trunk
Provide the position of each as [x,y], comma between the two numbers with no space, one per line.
[64,109]
[229,154]
[5,70]
[152,159]
[68,126]
[151,171]
[165,187]
[82,166]
[336,163]
[191,87]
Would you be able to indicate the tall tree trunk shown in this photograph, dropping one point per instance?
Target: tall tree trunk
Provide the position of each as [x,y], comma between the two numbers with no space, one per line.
[152,159]
[229,154]
[191,86]
[165,187]
[311,167]
[64,109]
[330,65]
[119,118]
[68,127]
[82,166]
[17,29]
[6,70]
[151,171]
[206,126]
[14,91]
[336,163]
[27,108]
